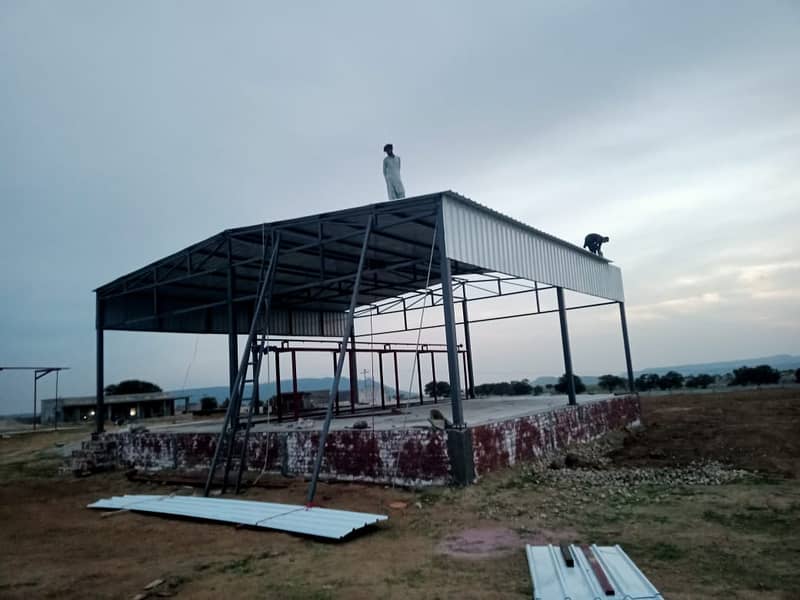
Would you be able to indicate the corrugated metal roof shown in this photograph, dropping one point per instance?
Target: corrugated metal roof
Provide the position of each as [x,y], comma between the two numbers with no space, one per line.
[478,235]
[553,580]
[314,521]
[187,292]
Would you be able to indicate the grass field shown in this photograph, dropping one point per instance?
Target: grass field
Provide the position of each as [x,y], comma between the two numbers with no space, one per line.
[735,540]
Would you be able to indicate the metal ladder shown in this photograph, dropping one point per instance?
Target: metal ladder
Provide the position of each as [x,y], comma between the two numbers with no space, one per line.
[229,436]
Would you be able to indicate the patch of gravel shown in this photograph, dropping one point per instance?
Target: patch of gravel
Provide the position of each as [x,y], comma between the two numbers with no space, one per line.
[585,474]
[699,473]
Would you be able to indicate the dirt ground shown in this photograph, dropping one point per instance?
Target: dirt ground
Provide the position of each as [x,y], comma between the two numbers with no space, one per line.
[753,430]
[736,540]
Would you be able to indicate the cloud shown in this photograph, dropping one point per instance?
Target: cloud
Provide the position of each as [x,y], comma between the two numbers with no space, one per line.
[131,131]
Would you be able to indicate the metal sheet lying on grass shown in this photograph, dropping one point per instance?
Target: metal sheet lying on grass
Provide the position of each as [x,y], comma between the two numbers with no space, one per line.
[553,580]
[314,521]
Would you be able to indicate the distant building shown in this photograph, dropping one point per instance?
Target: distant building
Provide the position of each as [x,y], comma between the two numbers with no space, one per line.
[123,407]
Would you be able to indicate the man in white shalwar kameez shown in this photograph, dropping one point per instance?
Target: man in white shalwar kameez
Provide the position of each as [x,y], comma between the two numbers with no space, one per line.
[391,172]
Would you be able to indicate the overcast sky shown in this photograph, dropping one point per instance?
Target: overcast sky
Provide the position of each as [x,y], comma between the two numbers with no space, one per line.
[129,130]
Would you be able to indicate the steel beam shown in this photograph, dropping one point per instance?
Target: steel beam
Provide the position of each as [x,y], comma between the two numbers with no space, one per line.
[562,317]
[312,488]
[488,319]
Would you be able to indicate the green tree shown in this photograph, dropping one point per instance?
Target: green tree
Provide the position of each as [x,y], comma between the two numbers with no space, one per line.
[521,388]
[208,403]
[442,388]
[670,380]
[703,380]
[760,375]
[797,376]
[647,381]
[561,386]
[131,386]
[539,390]
[610,382]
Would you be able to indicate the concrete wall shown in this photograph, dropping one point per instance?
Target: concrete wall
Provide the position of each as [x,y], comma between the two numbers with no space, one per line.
[505,443]
[411,457]
[406,457]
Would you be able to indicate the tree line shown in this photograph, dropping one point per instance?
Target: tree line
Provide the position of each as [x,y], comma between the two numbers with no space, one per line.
[760,375]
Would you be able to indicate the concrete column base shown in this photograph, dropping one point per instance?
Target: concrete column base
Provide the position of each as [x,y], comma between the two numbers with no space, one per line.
[459,449]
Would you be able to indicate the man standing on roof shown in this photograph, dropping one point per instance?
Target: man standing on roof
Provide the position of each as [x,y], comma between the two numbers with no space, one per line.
[391,172]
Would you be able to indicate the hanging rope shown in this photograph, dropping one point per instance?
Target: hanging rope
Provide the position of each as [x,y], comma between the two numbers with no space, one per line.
[188,367]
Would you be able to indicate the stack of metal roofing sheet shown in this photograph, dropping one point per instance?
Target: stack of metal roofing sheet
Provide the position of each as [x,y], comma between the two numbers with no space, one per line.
[320,522]
[554,580]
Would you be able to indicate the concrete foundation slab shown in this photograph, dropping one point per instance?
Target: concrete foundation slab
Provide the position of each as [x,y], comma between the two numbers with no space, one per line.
[402,449]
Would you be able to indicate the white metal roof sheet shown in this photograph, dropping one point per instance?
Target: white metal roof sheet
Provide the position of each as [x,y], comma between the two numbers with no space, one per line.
[478,235]
[553,580]
[315,521]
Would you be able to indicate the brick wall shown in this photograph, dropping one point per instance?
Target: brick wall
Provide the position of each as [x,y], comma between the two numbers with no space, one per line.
[502,444]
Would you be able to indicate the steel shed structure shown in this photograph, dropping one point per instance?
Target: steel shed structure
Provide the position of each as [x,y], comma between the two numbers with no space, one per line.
[311,274]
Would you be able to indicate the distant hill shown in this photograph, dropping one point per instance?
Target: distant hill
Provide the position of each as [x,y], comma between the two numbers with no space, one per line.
[779,361]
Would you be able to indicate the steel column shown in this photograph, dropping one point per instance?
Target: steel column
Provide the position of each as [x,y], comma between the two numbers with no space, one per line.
[233,342]
[469,374]
[55,414]
[396,380]
[466,375]
[433,374]
[348,330]
[337,389]
[626,343]
[449,323]
[295,399]
[419,381]
[35,394]
[380,374]
[99,409]
[257,355]
[353,370]
[278,383]
[562,317]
